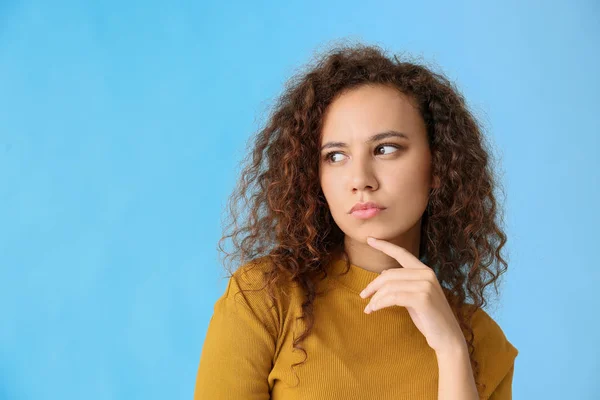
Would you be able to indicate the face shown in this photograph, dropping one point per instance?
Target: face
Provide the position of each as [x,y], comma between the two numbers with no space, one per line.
[374,148]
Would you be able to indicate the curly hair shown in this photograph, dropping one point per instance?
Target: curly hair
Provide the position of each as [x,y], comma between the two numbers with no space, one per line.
[288,219]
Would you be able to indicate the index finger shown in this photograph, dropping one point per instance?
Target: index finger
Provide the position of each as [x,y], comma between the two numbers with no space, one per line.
[403,256]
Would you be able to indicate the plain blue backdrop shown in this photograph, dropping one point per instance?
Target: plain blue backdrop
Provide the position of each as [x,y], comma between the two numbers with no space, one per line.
[121,127]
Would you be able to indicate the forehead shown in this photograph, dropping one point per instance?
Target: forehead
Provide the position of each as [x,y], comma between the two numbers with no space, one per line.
[368,109]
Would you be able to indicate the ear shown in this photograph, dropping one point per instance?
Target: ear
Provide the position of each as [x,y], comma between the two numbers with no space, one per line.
[435,182]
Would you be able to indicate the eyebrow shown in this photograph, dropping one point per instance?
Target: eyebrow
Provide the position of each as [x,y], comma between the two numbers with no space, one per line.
[374,138]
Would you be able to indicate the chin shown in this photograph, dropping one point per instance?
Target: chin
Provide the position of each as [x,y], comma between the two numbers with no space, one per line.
[382,234]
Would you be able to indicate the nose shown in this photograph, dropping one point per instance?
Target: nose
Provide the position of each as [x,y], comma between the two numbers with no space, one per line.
[362,175]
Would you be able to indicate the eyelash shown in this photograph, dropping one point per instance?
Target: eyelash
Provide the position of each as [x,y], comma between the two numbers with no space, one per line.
[326,157]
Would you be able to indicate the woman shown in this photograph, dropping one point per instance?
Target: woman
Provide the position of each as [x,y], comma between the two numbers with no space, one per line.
[362,146]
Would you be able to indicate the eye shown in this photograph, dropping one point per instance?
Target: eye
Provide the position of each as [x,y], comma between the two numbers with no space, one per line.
[328,156]
[388,145]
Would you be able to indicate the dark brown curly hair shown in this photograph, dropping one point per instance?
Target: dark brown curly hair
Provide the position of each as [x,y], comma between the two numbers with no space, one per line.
[288,220]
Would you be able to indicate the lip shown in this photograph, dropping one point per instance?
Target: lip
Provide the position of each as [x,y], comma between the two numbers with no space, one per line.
[366,206]
[366,213]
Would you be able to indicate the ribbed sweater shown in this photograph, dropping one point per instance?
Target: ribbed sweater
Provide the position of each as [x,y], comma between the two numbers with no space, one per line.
[248,350]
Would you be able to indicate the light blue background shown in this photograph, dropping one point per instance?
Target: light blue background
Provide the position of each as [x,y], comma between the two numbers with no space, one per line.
[121,125]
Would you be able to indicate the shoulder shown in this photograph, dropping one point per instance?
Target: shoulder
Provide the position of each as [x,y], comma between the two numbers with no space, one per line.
[490,337]
[251,280]
[493,351]
[248,291]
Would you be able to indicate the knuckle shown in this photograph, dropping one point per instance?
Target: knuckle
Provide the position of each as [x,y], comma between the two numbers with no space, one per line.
[431,274]
[428,286]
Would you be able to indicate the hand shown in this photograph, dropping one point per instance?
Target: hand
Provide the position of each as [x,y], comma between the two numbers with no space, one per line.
[417,288]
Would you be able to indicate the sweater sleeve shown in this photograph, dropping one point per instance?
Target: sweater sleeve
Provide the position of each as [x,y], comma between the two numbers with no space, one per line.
[496,356]
[238,350]
[504,389]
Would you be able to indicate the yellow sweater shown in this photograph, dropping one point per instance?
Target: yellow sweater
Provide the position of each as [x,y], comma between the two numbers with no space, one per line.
[247,353]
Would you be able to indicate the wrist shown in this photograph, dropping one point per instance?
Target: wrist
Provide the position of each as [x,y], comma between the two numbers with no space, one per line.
[456,379]
[456,349]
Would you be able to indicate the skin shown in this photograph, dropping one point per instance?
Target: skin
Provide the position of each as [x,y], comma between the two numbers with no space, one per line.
[400,180]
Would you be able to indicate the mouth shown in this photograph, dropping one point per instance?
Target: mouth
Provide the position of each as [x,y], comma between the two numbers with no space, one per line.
[366,213]
[365,206]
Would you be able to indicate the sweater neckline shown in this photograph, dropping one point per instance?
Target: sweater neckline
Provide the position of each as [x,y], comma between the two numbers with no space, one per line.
[356,279]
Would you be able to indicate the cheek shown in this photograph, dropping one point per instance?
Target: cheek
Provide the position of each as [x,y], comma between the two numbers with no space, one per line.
[334,194]
[328,188]
[409,183]
[417,170]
